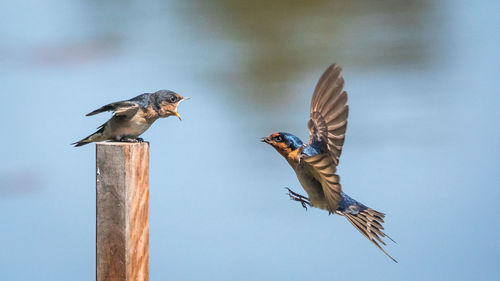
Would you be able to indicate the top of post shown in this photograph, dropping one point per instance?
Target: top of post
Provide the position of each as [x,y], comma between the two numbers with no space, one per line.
[117,143]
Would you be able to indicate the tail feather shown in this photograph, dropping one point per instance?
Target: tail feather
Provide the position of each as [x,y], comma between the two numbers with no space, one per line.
[370,232]
[81,142]
[369,223]
[97,136]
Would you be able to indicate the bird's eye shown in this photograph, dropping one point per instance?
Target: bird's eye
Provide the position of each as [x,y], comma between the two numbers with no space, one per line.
[172,99]
[278,139]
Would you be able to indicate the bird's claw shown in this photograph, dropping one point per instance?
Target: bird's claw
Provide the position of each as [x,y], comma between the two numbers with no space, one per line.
[127,139]
[303,205]
[304,201]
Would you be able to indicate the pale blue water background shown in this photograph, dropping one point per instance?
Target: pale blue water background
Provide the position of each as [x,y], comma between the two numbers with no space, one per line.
[422,142]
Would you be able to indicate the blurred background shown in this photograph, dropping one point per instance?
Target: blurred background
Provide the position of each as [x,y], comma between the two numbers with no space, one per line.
[422,141]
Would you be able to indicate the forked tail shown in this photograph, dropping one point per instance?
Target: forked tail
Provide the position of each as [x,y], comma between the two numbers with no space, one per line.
[365,220]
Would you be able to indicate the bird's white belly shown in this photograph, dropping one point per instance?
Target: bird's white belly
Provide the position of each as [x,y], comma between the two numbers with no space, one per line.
[139,127]
[134,129]
[130,128]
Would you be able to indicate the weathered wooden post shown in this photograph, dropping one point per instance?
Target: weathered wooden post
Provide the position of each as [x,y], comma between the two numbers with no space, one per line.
[122,211]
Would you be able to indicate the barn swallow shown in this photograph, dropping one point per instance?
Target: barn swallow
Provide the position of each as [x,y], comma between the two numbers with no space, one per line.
[134,116]
[315,163]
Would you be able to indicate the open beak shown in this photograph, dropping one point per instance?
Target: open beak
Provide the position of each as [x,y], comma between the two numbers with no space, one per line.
[178,115]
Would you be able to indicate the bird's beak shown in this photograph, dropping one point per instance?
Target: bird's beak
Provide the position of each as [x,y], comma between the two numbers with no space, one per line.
[178,115]
[264,139]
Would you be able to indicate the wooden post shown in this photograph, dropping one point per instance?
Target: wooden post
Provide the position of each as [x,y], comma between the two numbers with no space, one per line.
[122,211]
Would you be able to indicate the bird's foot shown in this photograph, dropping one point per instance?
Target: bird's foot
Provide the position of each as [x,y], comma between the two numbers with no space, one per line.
[127,139]
[290,192]
[304,201]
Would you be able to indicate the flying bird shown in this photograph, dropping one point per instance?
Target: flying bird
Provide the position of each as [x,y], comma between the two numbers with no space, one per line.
[315,163]
[134,116]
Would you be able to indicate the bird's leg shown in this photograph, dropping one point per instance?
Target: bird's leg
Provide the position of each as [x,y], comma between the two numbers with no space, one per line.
[304,201]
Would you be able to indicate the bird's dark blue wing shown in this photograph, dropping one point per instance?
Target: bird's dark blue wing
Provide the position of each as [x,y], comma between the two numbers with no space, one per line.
[142,100]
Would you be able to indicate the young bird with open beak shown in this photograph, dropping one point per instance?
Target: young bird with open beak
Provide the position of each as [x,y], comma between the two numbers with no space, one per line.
[315,163]
[134,116]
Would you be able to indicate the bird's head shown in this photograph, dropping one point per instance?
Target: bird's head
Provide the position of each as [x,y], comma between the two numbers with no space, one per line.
[167,103]
[284,143]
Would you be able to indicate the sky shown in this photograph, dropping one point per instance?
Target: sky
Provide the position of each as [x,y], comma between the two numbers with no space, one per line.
[421,144]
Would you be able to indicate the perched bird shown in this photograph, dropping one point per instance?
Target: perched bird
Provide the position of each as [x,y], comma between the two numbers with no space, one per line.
[134,116]
[315,163]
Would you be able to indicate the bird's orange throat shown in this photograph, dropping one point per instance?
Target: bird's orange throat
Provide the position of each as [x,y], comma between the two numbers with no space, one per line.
[292,156]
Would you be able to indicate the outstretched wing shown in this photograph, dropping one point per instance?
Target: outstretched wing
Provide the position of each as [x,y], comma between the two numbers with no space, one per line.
[329,112]
[121,108]
[323,170]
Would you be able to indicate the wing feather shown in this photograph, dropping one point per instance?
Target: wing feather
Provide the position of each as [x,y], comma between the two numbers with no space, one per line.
[323,169]
[121,108]
[329,112]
